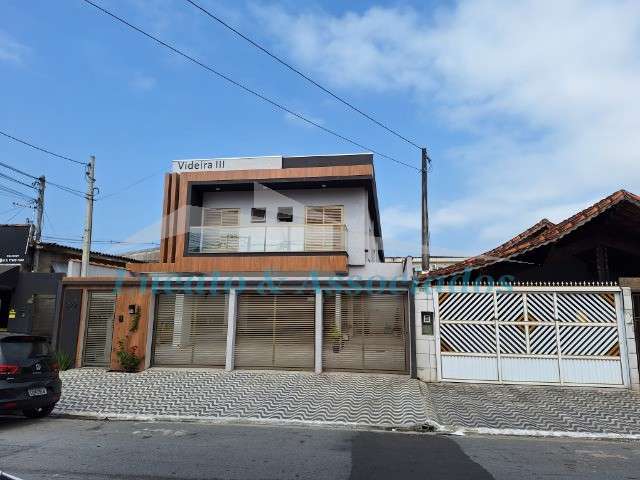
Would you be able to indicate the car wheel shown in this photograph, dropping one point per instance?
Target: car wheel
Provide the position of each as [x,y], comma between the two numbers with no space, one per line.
[39,412]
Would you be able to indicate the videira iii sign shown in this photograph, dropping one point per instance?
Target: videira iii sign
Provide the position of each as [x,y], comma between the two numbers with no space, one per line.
[238,163]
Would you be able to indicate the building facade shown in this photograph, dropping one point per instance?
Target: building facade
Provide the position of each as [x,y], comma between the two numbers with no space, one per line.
[553,305]
[265,262]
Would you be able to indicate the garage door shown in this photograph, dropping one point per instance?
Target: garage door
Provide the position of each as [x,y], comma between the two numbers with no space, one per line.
[535,337]
[190,330]
[364,332]
[275,331]
[99,328]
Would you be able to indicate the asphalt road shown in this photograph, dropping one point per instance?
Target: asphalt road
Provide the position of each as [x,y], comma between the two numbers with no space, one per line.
[92,450]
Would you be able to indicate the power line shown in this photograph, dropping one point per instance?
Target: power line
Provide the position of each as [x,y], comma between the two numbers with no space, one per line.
[16,214]
[15,192]
[24,142]
[127,187]
[303,75]
[248,89]
[57,185]
[16,181]
[112,242]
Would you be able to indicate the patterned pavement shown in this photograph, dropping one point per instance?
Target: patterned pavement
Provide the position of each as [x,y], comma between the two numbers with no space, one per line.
[517,407]
[341,399]
[346,399]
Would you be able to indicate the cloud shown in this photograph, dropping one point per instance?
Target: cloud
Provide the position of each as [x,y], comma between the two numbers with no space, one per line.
[542,94]
[142,82]
[11,50]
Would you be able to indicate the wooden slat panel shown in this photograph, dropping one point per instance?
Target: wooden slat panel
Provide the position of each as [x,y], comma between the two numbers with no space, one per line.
[275,331]
[364,332]
[99,328]
[333,264]
[190,330]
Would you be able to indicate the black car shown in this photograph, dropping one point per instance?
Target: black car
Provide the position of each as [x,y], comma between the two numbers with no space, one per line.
[29,375]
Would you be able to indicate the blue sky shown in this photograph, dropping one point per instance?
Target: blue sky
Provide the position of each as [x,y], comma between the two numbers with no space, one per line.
[528,110]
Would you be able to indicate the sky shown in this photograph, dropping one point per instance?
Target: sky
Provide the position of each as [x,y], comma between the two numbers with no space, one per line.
[529,109]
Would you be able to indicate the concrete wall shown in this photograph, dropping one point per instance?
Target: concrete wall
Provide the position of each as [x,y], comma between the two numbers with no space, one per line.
[354,201]
[425,344]
[632,354]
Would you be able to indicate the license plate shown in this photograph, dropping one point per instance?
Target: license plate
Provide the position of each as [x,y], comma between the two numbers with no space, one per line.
[36,392]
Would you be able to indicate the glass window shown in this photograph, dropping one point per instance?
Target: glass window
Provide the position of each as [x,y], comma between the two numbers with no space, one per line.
[285,214]
[258,215]
[15,349]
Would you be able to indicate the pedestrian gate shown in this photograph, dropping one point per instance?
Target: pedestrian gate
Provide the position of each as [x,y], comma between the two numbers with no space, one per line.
[97,340]
[543,337]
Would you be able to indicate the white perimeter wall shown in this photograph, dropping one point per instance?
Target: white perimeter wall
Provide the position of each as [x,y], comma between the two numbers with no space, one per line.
[425,344]
[354,200]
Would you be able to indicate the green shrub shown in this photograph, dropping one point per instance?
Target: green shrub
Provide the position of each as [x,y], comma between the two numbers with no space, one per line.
[127,357]
[64,361]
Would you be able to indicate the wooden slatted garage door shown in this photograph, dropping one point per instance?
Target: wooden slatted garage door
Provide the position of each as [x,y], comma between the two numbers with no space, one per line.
[364,332]
[275,331]
[97,341]
[190,330]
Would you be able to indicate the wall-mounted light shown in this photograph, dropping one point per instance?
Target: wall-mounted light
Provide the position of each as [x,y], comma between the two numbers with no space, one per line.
[132,309]
[324,185]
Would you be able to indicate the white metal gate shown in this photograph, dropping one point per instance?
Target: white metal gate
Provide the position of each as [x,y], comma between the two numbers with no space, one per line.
[97,340]
[531,336]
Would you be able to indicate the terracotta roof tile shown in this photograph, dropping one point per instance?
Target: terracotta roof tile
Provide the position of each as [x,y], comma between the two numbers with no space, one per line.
[542,232]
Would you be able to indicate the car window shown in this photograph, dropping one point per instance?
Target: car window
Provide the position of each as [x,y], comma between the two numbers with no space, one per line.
[14,349]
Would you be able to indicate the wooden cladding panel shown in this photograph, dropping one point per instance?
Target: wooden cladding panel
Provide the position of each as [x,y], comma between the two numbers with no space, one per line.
[333,264]
[138,339]
[176,194]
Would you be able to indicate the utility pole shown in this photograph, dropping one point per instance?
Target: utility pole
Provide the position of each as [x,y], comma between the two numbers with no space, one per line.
[39,213]
[88,222]
[425,212]
[39,208]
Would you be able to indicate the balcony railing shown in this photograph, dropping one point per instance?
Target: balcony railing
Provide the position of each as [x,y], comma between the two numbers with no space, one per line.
[268,238]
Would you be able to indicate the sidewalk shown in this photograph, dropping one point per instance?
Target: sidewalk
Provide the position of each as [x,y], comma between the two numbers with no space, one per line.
[354,400]
[385,401]
[535,410]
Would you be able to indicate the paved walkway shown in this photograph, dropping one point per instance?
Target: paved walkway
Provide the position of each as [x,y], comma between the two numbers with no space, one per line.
[209,394]
[535,408]
[348,399]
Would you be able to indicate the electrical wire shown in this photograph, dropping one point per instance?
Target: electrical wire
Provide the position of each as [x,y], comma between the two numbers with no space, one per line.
[16,214]
[24,142]
[129,186]
[16,181]
[303,75]
[48,182]
[111,242]
[246,88]
[15,192]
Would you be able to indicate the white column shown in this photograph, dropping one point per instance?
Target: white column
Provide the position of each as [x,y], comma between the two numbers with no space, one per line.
[318,368]
[628,333]
[231,329]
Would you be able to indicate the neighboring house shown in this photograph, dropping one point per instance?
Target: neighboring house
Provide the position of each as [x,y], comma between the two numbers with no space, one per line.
[145,255]
[599,244]
[267,262]
[562,311]
[31,275]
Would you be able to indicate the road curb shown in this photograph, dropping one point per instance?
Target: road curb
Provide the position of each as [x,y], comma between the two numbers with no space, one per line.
[538,433]
[427,427]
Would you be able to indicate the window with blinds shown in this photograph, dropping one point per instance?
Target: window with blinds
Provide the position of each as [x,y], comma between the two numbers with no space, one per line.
[275,331]
[218,232]
[43,315]
[364,332]
[190,330]
[99,329]
[324,228]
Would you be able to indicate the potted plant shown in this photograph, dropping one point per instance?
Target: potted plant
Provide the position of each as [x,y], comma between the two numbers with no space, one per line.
[335,335]
[127,357]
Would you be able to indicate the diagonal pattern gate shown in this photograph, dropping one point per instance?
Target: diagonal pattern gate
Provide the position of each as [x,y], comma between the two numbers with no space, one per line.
[530,336]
